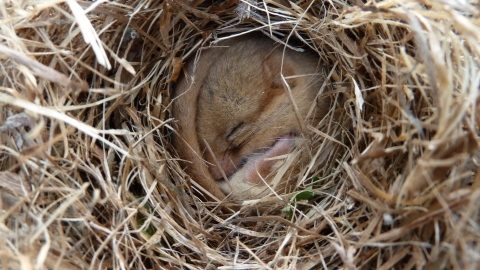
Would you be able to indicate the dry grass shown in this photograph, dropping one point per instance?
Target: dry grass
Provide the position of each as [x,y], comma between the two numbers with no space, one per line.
[89,180]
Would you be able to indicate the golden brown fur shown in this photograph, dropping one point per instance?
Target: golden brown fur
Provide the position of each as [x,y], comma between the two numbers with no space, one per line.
[233,103]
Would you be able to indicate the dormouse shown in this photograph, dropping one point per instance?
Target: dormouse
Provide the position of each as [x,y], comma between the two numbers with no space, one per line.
[242,106]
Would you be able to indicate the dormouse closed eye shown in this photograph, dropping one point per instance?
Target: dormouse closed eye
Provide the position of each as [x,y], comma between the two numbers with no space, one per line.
[232,133]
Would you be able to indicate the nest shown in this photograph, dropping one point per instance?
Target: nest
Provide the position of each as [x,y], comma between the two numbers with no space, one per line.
[89,179]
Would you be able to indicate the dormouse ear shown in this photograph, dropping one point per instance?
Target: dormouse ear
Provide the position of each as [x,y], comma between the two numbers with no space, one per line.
[273,70]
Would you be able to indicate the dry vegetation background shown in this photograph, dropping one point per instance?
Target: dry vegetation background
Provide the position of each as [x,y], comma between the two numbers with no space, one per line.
[88,178]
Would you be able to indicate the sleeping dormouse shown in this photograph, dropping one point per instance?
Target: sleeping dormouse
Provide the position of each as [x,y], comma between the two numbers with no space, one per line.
[242,107]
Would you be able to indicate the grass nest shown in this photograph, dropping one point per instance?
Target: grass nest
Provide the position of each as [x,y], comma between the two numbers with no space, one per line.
[89,178]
